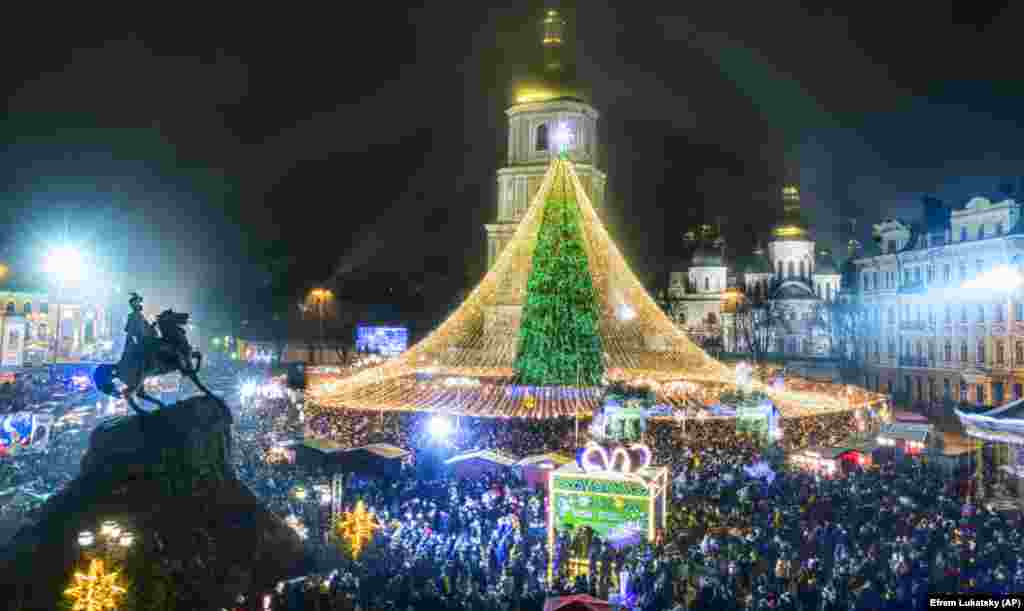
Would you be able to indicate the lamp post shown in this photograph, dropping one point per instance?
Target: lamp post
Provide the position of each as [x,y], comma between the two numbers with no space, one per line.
[65,265]
[321,295]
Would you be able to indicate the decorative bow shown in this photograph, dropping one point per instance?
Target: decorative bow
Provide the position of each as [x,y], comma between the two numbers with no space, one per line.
[596,457]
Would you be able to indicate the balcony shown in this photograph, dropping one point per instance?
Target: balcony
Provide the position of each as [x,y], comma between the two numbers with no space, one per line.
[915,361]
[916,325]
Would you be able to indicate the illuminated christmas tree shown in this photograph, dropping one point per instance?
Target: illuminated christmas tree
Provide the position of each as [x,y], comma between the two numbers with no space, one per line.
[96,590]
[356,527]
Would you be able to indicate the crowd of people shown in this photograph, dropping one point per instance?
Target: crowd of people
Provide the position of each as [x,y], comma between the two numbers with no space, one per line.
[736,538]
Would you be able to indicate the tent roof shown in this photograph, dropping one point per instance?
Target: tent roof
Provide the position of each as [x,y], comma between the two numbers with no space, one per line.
[558,459]
[486,455]
[480,339]
[383,450]
[577,601]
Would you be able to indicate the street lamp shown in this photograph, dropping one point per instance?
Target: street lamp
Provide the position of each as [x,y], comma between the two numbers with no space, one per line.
[320,296]
[65,265]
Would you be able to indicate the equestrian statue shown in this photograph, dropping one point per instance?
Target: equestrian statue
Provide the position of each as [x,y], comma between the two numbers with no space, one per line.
[148,353]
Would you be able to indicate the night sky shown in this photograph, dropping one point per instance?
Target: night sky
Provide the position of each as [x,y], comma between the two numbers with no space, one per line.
[186,149]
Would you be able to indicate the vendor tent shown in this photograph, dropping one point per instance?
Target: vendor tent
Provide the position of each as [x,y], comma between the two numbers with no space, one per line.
[375,460]
[480,462]
[577,602]
[536,468]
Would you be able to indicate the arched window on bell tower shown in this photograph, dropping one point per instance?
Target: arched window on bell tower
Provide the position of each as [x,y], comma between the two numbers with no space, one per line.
[542,137]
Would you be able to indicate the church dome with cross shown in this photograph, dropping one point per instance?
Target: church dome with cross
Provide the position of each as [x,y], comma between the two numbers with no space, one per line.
[549,113]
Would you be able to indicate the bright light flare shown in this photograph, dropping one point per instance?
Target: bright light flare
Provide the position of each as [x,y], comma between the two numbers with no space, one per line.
[65,263]
[439,428]
[1002,278]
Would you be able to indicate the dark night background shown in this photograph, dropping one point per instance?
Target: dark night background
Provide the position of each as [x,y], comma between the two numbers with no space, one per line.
[191,150]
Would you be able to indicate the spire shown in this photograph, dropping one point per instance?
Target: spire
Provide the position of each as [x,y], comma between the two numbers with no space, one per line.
[553,40]
[792,226]
[553,77]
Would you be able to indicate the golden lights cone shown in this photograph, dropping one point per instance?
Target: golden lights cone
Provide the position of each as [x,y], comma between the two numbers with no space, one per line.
[479,340]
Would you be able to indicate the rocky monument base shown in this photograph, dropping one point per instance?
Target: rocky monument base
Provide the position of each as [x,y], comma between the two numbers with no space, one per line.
[201,537]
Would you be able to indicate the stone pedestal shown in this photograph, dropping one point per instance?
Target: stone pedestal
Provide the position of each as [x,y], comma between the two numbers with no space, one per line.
[173,485]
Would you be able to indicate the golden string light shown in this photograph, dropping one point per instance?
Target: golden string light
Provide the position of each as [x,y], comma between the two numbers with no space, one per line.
[480,339]
[357,527]
[95,590]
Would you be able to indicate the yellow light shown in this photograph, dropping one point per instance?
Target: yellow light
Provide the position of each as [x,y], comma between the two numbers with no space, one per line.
[526,96]
[321,294]
[96,590]
[468,345]
[357,527]
[789,231]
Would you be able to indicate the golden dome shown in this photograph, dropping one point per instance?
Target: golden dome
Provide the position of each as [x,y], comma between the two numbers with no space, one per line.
[793,226]
[553,78]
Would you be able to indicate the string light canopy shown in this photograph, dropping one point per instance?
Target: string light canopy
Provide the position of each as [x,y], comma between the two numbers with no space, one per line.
[96,589]
[480,340]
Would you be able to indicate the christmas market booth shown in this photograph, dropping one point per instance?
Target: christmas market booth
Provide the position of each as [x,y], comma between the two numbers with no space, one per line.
[479,463]
[374,460]
[620,497]
[832,460]
[536,469]
[906,438]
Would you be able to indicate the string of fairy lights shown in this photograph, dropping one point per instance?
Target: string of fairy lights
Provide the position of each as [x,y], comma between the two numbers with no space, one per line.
[480,339]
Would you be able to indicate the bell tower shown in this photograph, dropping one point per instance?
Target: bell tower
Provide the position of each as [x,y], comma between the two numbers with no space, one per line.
[547,101]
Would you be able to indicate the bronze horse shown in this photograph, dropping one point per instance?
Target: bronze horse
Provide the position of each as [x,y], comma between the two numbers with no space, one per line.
[157,355]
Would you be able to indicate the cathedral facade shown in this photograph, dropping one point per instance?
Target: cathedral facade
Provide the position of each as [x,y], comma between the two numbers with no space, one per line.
[791,282]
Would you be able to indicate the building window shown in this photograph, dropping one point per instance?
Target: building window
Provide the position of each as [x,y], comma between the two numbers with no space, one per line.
[981,312]
[999,229]
[919,349]
[1019,307]
[981,352]
[931,315]
[27,308]
[790,269]
[890,246]
[949,314]
[1018,391]
[997,312]
[867,277]
[980,393]
[963,352]
[931,389]
[920,391]
[892,315]
[875,278]
[945,388]
[963,392]
[949,352]
[981,232]
[542,137]
[892,349]
[906,277]
[931,351]
[947,273]
[1000,353]
[906,312]
[707,283]
[931,274]
[10,307]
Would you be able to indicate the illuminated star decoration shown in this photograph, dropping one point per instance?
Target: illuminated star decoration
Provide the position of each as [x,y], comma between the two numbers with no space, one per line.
[357,527]
[96,590]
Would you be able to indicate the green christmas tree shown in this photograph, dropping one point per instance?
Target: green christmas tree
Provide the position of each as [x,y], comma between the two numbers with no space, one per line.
[559,343]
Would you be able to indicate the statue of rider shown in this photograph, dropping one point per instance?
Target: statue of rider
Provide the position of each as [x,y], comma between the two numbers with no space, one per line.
[137,328]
